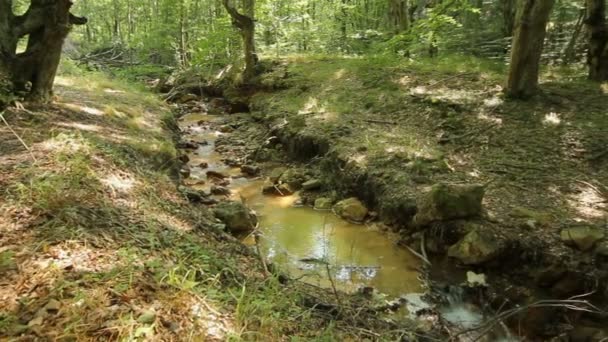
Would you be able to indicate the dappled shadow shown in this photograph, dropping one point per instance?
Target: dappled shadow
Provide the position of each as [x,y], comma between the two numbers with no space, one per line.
[94,234]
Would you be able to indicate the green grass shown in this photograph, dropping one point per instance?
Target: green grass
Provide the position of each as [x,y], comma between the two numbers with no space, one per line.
[100,199]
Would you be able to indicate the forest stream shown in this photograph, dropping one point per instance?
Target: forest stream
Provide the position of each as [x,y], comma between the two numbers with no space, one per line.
[316,246]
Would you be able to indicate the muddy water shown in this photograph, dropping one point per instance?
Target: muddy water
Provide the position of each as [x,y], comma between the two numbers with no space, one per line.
[315,246]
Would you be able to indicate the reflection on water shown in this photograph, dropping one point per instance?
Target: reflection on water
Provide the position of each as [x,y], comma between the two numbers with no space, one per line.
[308,242]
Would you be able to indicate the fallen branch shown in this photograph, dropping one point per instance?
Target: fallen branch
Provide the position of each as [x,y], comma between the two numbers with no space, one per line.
[572,303]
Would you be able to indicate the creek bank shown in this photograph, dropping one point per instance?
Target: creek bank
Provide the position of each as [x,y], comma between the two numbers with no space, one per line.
[395,186]
[509,257]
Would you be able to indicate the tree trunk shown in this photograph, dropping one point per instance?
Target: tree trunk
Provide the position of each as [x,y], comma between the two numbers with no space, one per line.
[597,57]
[246,26]
[399,15]
[569,53]
[509,10]
[527,47]
[47,22]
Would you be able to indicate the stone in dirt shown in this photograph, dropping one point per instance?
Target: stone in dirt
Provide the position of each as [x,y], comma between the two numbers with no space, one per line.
[187,98]
[583,237]
[194,196]
[448,202]
[216,174]
[250,170]
[203,165]
[323,203]
[312,184]
[236,216]
[351,209]
[185,171]
[226,129]
[220,190]
[189,145]
[184,158]
[477,247]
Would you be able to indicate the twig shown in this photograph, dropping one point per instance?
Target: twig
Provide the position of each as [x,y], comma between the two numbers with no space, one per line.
[423,249]
[451,77]
[571,304]
[18,137]
[426,261]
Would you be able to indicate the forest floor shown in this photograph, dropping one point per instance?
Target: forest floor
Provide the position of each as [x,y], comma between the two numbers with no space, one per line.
[97,243]
[385,130]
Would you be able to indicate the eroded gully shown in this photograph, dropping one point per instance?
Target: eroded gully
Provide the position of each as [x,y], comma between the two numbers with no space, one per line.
[314,246]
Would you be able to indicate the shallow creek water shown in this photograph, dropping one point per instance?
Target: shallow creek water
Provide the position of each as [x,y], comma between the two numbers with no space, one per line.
[304,241]
[309,244]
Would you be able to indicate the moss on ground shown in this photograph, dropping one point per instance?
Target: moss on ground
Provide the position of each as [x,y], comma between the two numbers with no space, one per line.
[98,244]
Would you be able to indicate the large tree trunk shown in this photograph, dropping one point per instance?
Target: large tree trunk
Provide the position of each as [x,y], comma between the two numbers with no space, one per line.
[527,47]
[246,25]
[47,22]
[597,28]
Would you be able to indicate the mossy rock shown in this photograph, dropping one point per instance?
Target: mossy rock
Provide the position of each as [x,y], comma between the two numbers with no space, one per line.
[351,209]
[477,247]
[449,202]
[323,203]
[294,178]
[583,237]
[236,216]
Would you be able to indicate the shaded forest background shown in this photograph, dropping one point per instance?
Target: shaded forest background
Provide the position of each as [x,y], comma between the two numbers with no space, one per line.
[199,33]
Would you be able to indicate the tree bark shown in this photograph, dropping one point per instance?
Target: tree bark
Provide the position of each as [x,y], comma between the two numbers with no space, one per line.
[47,22]
[597,57]
[509,9]
[246,25]
[399,15]
[527,47]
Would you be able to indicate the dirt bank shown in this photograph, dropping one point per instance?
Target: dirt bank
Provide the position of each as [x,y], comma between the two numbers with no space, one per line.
[387,131]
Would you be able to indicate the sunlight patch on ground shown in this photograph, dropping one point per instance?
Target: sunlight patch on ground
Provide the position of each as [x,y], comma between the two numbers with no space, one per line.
[109,110]
[64,143]
[63,81]
[588,202]
[339,74]
[122,183]
[312,106]
[445,94]
[493,102]
[80,126]
[327,116]
[83,109]
[75,256]
[113,91]
[171,221]
[404,81]
[218,326]
[487,117]
[552,119]
[358,158]
[604,88]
